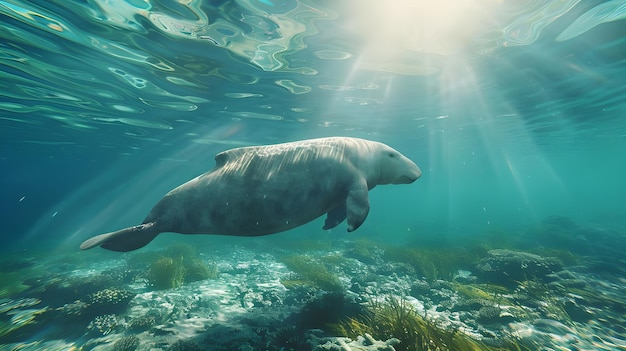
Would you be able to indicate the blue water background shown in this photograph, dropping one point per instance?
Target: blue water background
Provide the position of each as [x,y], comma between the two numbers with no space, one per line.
[106,107]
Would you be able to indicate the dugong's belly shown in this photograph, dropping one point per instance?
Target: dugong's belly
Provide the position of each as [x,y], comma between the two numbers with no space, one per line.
[252,203]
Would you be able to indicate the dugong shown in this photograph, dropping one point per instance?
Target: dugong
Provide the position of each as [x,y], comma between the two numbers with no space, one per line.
[261,190]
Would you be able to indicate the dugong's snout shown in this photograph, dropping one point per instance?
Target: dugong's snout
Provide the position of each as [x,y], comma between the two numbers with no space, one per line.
[407,179]
[412,174]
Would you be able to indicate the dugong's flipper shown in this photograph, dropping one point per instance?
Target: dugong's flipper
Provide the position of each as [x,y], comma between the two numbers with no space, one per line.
[357,205]
[335,216]
[123,240]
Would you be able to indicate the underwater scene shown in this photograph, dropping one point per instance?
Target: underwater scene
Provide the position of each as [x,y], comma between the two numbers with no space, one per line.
[373,175]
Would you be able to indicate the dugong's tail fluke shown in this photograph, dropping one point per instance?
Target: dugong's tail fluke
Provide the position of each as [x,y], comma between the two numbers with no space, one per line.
[123,240]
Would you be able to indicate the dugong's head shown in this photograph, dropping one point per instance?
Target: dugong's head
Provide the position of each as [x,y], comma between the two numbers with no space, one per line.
[395,168]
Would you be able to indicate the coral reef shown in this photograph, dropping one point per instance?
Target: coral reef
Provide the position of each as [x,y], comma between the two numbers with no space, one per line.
[107,301]
[289,339]
[105,324]
[142,323]
[110,297]
[428,294]
[127,343]
[184,345]
[362,343]
[508,267]
[327,309]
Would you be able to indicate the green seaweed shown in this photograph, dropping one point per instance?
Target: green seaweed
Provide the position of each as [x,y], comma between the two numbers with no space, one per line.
[488,292]
[12,284]
[176,265]
[196,269]
[18,321]
[311,272]
[335,260]
[433,263]
[363,250]
[567,257]
[394,317]
[167,273]
[550,302]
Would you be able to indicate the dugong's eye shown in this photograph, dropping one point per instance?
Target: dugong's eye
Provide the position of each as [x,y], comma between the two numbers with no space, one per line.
[392,155]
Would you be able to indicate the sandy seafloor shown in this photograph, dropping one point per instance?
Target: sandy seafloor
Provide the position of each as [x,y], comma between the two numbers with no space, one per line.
[565,291]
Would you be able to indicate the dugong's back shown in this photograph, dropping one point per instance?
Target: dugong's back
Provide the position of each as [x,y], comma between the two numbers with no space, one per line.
[258,191]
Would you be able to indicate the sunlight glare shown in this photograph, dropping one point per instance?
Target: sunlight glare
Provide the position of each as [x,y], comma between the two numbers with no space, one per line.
[394,29]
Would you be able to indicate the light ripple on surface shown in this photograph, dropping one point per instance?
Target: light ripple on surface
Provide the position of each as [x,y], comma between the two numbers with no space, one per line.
[607,12]
[172,105]
[254,115]
[242,95]
[332,55]
[525,29]
[293,87]
[136,122]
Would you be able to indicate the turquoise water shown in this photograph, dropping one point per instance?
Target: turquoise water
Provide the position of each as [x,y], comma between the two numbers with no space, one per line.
[514,112]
